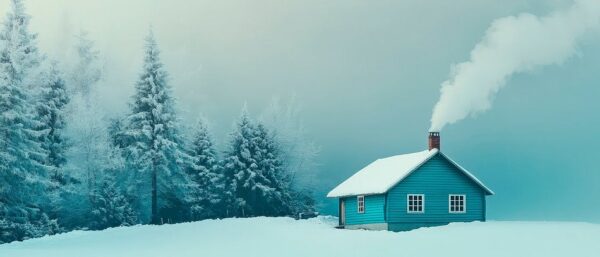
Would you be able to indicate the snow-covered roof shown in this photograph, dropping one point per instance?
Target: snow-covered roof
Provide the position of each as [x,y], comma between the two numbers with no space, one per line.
[382,174]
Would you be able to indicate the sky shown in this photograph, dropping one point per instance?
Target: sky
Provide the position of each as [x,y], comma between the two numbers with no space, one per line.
[367,75]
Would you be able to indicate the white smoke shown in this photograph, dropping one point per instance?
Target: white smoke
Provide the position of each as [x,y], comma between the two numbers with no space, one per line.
[511,45]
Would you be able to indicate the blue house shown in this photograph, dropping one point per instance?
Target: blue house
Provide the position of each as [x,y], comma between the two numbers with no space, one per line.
[409,191]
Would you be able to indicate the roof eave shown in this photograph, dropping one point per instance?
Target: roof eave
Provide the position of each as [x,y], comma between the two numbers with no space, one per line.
[353,194]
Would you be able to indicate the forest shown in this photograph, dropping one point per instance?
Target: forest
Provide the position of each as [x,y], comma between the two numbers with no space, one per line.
[67,164]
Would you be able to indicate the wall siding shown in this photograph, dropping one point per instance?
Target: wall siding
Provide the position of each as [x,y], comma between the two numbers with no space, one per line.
[436,179]
[398,226]
[374,210]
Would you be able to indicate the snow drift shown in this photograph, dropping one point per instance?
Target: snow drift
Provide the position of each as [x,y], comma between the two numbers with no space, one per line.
[512,45]
[317,237]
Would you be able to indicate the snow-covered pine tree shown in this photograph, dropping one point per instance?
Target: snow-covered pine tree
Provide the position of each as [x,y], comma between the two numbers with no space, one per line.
[298,152]
[88,121]
[271,188]
[90,152]
[110,206]
[155,154]
[238,165]
[115,131]
[253,172]
[205,173]
[50,109]
[90,156]
[50,113]
[23,177]
[87,70]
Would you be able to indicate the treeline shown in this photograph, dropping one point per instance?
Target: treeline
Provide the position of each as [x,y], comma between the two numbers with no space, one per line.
[65,164]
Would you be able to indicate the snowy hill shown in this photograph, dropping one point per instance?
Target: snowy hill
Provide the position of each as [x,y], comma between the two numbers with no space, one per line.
[317,237]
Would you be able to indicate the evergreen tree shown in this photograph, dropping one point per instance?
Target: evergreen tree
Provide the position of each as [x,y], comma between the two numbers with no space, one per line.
[238,164]
[110,206]
[253,172]
[51,112]
[204,172]
[23,178]
[271,186]
[91,159]
[154,149]
[90,153]
[87,70]
[115,130]
[298,152]
[87,125]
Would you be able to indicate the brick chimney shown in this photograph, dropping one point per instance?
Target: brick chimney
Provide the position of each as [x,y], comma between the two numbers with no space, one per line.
[434,140]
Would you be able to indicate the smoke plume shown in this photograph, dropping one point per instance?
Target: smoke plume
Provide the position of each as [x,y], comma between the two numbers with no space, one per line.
[512,45]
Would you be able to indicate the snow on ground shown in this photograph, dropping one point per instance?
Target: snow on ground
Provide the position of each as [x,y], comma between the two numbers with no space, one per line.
[316,237]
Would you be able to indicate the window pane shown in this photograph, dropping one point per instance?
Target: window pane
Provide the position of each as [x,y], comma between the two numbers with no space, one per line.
[414,203]
[457,203]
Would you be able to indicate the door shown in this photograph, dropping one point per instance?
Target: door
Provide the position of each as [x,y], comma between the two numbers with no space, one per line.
[342,213]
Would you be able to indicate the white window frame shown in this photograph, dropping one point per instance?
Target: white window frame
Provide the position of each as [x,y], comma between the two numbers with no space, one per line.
[360,204]
[422,203]
[464,202]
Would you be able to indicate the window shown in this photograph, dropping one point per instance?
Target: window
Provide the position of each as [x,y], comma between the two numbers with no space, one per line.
[457,203]
[360,203]
[415,203]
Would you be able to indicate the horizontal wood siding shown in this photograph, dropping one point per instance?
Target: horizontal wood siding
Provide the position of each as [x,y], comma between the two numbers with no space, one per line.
[436,179]
[397,226]
[374,210]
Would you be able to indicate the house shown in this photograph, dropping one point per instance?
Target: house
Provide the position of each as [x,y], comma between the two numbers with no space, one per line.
[409,191]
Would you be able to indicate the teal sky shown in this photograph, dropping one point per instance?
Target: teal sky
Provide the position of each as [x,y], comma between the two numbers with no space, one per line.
[367,74]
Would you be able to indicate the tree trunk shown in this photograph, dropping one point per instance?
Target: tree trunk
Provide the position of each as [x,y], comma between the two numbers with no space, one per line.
[155,218]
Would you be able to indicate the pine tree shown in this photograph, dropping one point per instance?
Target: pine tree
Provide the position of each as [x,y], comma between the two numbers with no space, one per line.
[298,152]
[115,130]
[204,172]
[253,171]
[110,206]
[272,190]
[238,165]
[51,112]
[23,178]
[90,153]
[91,157]
[87,70]
[87,125]
[154,149]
